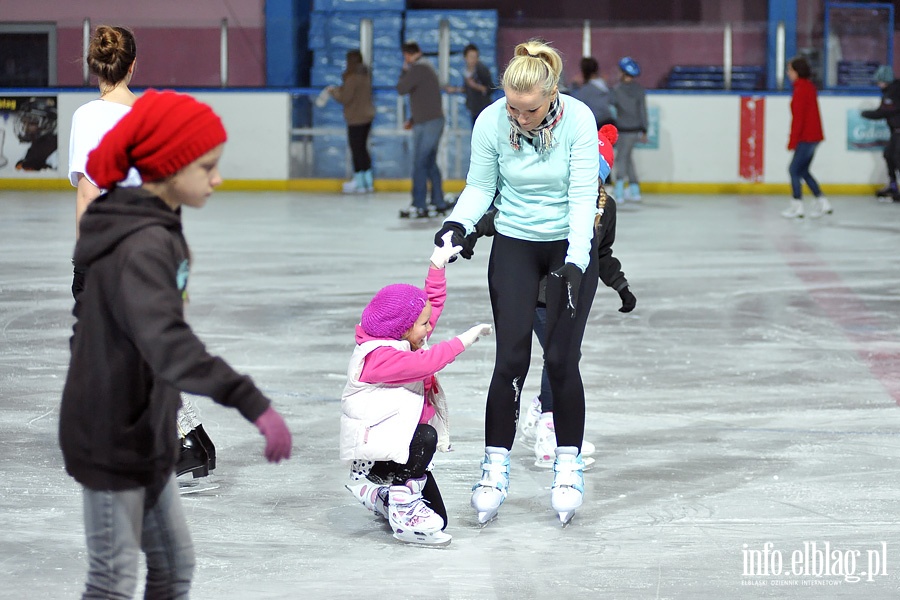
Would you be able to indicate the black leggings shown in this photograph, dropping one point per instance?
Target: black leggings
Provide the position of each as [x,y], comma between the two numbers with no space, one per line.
[892,155]
[421,451]
[514,272]
[358,138]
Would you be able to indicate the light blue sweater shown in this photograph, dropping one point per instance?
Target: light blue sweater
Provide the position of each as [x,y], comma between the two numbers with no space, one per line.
[543,197]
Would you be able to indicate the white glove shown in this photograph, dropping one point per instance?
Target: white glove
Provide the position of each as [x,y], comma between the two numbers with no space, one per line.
[324,95]
[442,255]
[471,336]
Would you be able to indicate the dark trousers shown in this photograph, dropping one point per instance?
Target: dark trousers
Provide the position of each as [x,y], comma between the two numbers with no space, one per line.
[799,170]
[514,273]
[421,450]
[358,138]
[892,155]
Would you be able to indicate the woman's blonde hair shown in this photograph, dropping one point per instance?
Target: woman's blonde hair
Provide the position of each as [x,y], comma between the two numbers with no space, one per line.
[535,64]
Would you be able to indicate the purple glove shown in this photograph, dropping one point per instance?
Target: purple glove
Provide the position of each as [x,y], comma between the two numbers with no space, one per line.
[278,438]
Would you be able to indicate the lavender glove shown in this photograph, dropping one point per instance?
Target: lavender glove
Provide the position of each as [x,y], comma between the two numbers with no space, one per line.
[278,438]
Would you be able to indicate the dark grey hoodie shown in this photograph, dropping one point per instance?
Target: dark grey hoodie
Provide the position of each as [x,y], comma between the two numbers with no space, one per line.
[132,350]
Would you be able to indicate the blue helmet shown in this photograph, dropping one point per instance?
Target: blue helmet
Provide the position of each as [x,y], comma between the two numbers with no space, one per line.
[629,66]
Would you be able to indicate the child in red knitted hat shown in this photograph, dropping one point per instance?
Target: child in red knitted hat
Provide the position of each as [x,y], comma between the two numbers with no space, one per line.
[132,350]
[394,416]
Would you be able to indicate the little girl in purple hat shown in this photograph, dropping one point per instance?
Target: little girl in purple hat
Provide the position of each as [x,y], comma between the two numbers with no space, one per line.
[394,415]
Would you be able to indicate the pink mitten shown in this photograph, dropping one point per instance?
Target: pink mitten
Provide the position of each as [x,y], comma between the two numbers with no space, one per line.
[278,438]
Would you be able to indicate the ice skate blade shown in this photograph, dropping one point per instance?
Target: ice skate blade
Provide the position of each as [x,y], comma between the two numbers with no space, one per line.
[486,517]
[548,464]
[196,488]
[436,539]
[566,517]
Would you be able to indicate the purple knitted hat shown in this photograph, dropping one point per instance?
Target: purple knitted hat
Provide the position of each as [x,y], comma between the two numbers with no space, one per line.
[393,310]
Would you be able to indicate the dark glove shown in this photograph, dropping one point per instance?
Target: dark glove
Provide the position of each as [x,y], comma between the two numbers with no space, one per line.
[459,239]
[571,276]
[485,225]
[628,300]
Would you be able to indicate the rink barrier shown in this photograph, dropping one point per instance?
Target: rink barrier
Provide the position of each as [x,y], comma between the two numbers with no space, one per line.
[699,144]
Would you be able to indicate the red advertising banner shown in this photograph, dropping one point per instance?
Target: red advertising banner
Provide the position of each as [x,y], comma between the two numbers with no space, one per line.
[753,116]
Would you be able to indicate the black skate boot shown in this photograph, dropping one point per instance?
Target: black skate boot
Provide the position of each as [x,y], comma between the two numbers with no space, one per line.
[193,458]
[888,192]
[207,445]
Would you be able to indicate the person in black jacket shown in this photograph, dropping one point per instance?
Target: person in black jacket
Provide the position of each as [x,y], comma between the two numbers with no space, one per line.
[132,350]
[539,420]
[478,85]
[889,109]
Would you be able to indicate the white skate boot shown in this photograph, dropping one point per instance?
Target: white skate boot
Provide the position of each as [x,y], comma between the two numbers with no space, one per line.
[794,210]
[372,496]
[489,493]
[567,492]
[821,207]
[411,519]
[545,444]
[530,419]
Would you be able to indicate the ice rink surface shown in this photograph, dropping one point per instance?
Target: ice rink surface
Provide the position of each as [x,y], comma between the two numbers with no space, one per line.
[745,414]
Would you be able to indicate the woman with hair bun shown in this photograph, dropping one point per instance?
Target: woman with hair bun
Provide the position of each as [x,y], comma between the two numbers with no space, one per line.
[111,58]
[539,149]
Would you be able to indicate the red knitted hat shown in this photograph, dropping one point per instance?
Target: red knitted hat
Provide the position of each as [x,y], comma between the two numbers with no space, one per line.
[606,137]
[393,310]
[161,134]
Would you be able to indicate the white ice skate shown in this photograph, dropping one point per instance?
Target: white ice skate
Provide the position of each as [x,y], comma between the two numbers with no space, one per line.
[567,492]
[489,493]
[411,519]
[372,496]
[530,419]
[545,444]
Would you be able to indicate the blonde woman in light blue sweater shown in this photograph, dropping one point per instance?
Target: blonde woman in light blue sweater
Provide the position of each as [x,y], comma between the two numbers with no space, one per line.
[539,150]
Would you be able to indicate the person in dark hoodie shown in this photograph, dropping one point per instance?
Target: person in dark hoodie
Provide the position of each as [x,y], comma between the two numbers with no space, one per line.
[132,350]
[889,109]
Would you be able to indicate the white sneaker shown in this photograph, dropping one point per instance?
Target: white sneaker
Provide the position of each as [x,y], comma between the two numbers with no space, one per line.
[633,193]
[821,207]
[529,422]
[567,493]
[794,210]
[489,493]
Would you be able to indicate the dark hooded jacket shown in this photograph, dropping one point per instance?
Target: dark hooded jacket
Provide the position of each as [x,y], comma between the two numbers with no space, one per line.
[889,109]
[132,350]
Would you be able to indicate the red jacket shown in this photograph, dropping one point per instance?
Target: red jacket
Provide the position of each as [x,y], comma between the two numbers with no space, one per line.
[806,122]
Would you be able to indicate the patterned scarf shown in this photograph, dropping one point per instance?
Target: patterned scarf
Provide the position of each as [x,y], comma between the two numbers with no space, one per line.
[543,133]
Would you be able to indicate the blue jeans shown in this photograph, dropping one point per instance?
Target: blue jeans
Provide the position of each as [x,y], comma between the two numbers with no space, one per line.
[799,169]
[119,525]
[540,329]
[426,137]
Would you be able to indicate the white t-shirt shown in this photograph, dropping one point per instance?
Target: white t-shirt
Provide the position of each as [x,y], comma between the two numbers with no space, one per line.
[89,124]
